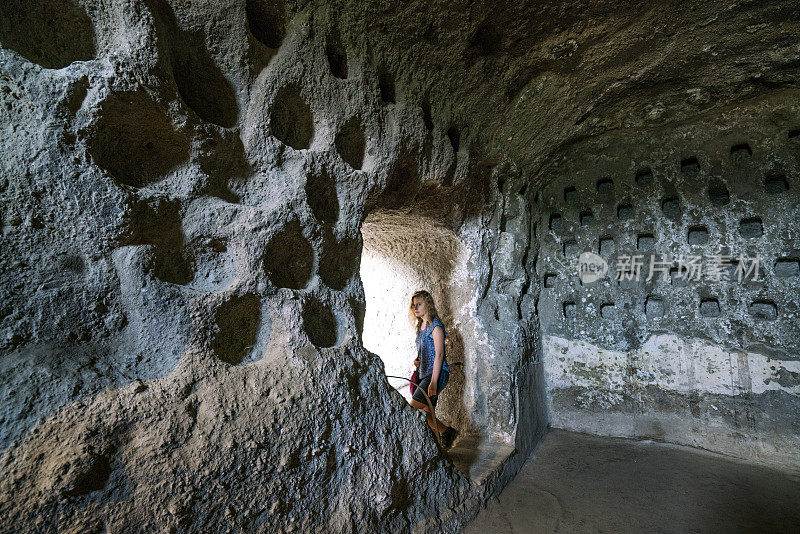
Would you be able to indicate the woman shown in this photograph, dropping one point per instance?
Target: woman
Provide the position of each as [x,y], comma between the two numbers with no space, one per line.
[434,371]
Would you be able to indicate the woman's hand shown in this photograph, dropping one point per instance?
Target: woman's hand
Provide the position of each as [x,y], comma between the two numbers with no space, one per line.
[416,362]
[432,388]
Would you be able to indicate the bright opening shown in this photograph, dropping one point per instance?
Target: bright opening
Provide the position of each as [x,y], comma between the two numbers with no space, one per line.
[403,253]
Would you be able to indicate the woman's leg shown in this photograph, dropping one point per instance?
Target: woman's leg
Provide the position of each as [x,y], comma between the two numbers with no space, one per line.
[419,401]
[431,418]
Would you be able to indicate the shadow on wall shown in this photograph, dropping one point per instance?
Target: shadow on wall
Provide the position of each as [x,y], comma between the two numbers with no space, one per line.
[63,31]
[402,254]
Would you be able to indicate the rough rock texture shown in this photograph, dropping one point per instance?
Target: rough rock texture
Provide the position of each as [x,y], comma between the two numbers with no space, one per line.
[707,359]
[183,193]
[184,186]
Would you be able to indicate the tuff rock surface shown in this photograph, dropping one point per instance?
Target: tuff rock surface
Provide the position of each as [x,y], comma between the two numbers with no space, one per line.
[184,187]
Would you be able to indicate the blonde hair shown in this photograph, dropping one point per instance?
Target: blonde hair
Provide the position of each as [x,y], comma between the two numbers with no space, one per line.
[415,321]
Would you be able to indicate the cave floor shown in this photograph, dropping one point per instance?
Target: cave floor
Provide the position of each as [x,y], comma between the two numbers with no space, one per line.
[477,457]
[582,483]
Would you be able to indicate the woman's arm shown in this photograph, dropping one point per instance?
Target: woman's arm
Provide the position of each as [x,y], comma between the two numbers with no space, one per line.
[438,345]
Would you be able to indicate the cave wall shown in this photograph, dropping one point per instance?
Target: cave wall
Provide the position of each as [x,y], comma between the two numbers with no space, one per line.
[705,358]
[183,188]
[506,353]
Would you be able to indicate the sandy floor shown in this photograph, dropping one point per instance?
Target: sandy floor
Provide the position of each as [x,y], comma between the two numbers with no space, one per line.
[578,483]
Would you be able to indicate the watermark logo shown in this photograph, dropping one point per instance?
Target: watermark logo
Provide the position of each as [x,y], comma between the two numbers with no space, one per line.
[591,267]
[716,267]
